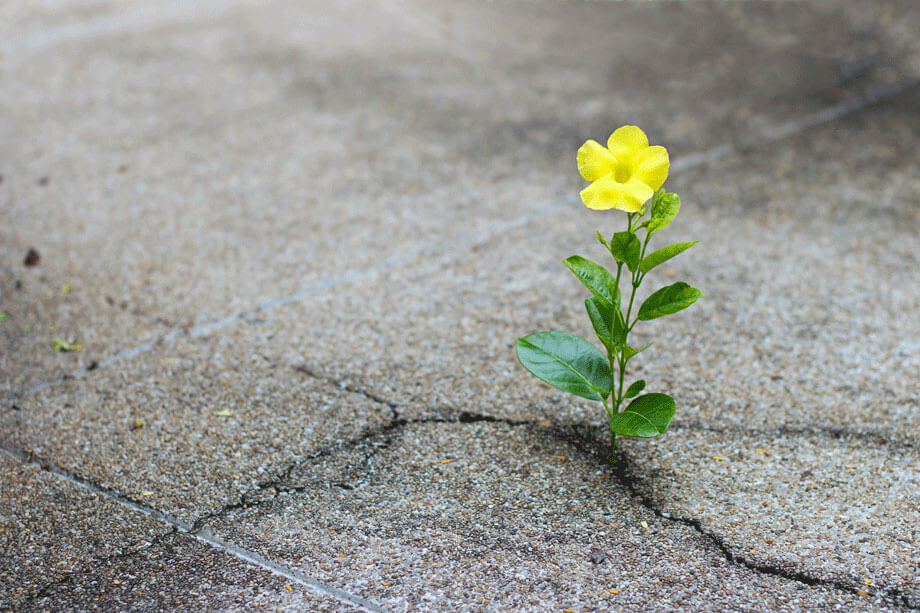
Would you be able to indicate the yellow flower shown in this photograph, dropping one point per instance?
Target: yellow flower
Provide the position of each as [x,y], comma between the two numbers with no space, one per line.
[623,175]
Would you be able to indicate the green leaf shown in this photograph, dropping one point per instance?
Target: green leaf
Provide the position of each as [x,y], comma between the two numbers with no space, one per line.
[595,277]
[635,388]
[60,344]
[600,312]
[625,247]
[645,417]
[663,255]
[3,316]
[664,209]
[629,352]
[567,362]
[619,332]
[601,238]
[668,300]
[608,322]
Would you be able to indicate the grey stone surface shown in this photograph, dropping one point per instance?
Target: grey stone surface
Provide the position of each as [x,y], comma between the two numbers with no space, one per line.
[51,530]
[774,497]
[180,574]
[302,237]
[190,431]
[487,516]
[805,267]
[371,133]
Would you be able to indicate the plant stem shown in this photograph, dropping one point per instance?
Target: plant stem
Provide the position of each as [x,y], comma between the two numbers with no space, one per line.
[613,447]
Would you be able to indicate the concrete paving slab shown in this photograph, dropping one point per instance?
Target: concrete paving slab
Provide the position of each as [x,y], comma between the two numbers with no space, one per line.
[192,164]
[841,507]
[250,107]
[190,432]
[801,324]
[489,516]
[54,300]
[51,530]
[176,574]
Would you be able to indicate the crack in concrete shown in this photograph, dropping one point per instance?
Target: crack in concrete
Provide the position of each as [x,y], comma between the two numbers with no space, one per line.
[203,535]
[577,434]
[130,552]
[581,436]
[891,595]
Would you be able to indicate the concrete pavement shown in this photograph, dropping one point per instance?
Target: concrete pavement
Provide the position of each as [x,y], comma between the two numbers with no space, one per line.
[297,241]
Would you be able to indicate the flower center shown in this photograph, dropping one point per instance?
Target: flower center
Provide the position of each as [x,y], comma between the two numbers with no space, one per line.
[624,172]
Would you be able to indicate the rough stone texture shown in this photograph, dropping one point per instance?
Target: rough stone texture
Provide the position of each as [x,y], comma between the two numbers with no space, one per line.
[374,133]
[333,219]
[180,574]
[51,530]
[806,274]
[186,456]
[774,497]
[491,516]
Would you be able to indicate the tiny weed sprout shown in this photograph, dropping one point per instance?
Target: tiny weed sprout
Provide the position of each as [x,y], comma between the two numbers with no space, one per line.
[627,175]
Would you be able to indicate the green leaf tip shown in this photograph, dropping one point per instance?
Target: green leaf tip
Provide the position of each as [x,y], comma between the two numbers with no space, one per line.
[595,277]
[664,209]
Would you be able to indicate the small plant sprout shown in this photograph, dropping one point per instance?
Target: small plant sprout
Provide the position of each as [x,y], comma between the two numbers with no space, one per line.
[627,175]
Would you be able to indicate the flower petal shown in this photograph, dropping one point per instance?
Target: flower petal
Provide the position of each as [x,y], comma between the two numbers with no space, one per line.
[652,166]
[605,193]
[594,161]
[627,142]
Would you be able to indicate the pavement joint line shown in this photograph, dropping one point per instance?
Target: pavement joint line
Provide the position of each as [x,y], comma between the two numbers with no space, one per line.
[784,130]
[69,578]
[200,533]
[205,536]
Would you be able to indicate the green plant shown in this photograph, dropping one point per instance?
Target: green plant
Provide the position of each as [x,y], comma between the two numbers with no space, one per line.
[626,175]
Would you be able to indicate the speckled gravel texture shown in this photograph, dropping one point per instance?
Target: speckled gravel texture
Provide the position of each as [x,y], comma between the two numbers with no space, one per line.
[497,517]
[373,134]
[51,530]
[193,431]
[180,574]
[297,241]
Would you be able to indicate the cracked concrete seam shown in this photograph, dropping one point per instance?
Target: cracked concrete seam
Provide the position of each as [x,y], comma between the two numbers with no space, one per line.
[129,553]
[570,433]
[580,436]
[576,434]
[179,526]
[890,595]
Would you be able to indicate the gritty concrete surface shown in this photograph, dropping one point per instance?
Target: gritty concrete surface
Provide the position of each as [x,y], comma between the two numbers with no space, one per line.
[297,240]
[180,574]
[492,516]
[370,143]
[51,530]
[190,431]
